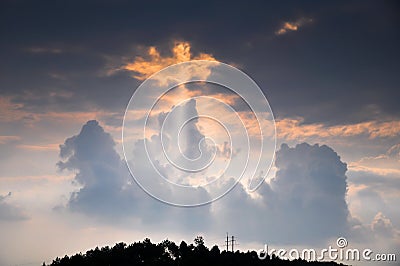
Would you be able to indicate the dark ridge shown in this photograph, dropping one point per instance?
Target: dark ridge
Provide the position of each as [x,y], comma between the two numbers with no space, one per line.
[167,253]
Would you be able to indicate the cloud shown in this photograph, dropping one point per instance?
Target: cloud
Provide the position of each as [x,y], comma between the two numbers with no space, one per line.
[179,150]
[375,185]
[383,226]
[41,50]
[106,190]
[8,139]
[10,111]
[146,67]
[295,129]
[386,163]
[45,147]
[100,173]
[380,172]
[303,204]
[315,87]
[293,26]
[9,212]
[310,186]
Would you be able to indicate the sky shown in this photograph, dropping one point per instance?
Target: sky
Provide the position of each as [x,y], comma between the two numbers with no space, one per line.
[328,71]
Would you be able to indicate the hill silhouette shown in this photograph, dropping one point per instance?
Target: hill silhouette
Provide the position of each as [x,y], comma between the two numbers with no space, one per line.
[167,253]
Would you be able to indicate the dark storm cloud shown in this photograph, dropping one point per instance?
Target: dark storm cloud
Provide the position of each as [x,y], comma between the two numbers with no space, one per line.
[346,56]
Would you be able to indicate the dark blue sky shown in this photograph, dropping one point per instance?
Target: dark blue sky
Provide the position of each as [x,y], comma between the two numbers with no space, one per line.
[344,63]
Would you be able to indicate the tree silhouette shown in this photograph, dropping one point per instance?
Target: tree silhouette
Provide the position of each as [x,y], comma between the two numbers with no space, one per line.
[167,253]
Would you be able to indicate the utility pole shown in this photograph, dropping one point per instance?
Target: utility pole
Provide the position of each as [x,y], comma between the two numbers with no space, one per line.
[227,242]
[233,243]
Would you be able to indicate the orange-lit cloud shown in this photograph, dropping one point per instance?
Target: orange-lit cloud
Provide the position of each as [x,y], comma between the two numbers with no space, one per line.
[44,147]
[293,129]
[292,26]
[10,111]
[383,164]
[7,139]
[143,67]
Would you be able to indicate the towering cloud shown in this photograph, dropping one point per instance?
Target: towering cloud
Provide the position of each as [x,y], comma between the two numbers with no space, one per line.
[310,188]
[106,188]
[100,171]
[303,204]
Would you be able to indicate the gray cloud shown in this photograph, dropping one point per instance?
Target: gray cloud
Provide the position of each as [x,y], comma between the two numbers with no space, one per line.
[107,192]
[304,203]
[311,187]
[99,169]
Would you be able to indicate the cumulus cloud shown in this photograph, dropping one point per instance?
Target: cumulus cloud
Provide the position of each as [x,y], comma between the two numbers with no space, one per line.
[383,226]
[311,187]
[304,202]
[100,171]
[106,190]
[9,212]
[293,26]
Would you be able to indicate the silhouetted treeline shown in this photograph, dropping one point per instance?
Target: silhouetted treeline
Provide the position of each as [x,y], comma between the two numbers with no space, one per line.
[167,253]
